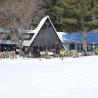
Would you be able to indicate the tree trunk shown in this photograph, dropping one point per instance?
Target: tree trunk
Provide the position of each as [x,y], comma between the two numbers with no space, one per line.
[84,41]
[21,53]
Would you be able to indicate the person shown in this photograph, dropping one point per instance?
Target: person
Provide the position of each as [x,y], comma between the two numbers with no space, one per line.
[47,54]
[62,54]
[96,51]
[54,53]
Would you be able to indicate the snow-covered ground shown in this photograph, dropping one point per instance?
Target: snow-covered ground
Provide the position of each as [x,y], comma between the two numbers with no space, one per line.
[49,78]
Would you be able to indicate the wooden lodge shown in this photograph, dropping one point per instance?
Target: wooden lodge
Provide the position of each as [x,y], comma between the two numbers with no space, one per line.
[45,38]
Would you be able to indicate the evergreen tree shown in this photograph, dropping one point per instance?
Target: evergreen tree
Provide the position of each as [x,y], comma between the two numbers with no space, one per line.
[74,15]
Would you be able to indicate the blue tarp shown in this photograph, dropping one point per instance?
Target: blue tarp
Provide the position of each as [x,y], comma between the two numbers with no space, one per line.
[92,38]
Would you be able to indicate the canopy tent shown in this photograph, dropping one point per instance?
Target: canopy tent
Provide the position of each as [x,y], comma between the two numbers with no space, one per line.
[92,38]
[72,37]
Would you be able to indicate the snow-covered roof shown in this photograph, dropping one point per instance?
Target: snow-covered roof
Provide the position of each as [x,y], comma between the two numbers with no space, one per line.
[60,35]
[28,43]
[35,32]
[6,30]
[27,31]
[7,42]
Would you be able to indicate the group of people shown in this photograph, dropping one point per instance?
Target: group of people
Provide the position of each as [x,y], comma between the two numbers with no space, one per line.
[61,54]
[8,54]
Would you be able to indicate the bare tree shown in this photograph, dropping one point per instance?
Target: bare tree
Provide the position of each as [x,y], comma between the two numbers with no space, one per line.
[18,14]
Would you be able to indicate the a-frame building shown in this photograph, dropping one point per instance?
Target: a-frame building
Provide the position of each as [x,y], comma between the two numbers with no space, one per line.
[45,38]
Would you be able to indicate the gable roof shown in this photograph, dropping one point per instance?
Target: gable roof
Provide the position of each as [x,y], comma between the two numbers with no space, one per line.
[36,31]
[28,43]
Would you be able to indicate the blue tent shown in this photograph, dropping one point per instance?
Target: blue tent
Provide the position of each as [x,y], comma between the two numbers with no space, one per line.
[92,38]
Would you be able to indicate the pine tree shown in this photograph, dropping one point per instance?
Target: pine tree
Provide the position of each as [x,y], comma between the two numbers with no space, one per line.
[74,15]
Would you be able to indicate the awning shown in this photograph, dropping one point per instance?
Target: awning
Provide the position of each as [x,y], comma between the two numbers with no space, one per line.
[92,38]
[7,42]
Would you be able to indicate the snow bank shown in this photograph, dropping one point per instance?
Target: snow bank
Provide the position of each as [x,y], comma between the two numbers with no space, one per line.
[49,78]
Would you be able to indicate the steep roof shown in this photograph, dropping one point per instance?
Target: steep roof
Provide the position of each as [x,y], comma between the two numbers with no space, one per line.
[28,43]
[37,30]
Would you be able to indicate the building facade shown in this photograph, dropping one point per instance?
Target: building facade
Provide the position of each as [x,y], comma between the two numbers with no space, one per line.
[43,38]
[46,38]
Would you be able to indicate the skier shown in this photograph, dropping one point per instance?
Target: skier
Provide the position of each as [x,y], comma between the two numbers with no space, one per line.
[62,54]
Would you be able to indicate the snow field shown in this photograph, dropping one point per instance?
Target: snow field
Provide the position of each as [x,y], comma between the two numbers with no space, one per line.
[49,78]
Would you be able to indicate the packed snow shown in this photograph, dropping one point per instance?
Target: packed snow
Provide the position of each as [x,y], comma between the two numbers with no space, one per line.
[49,78]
